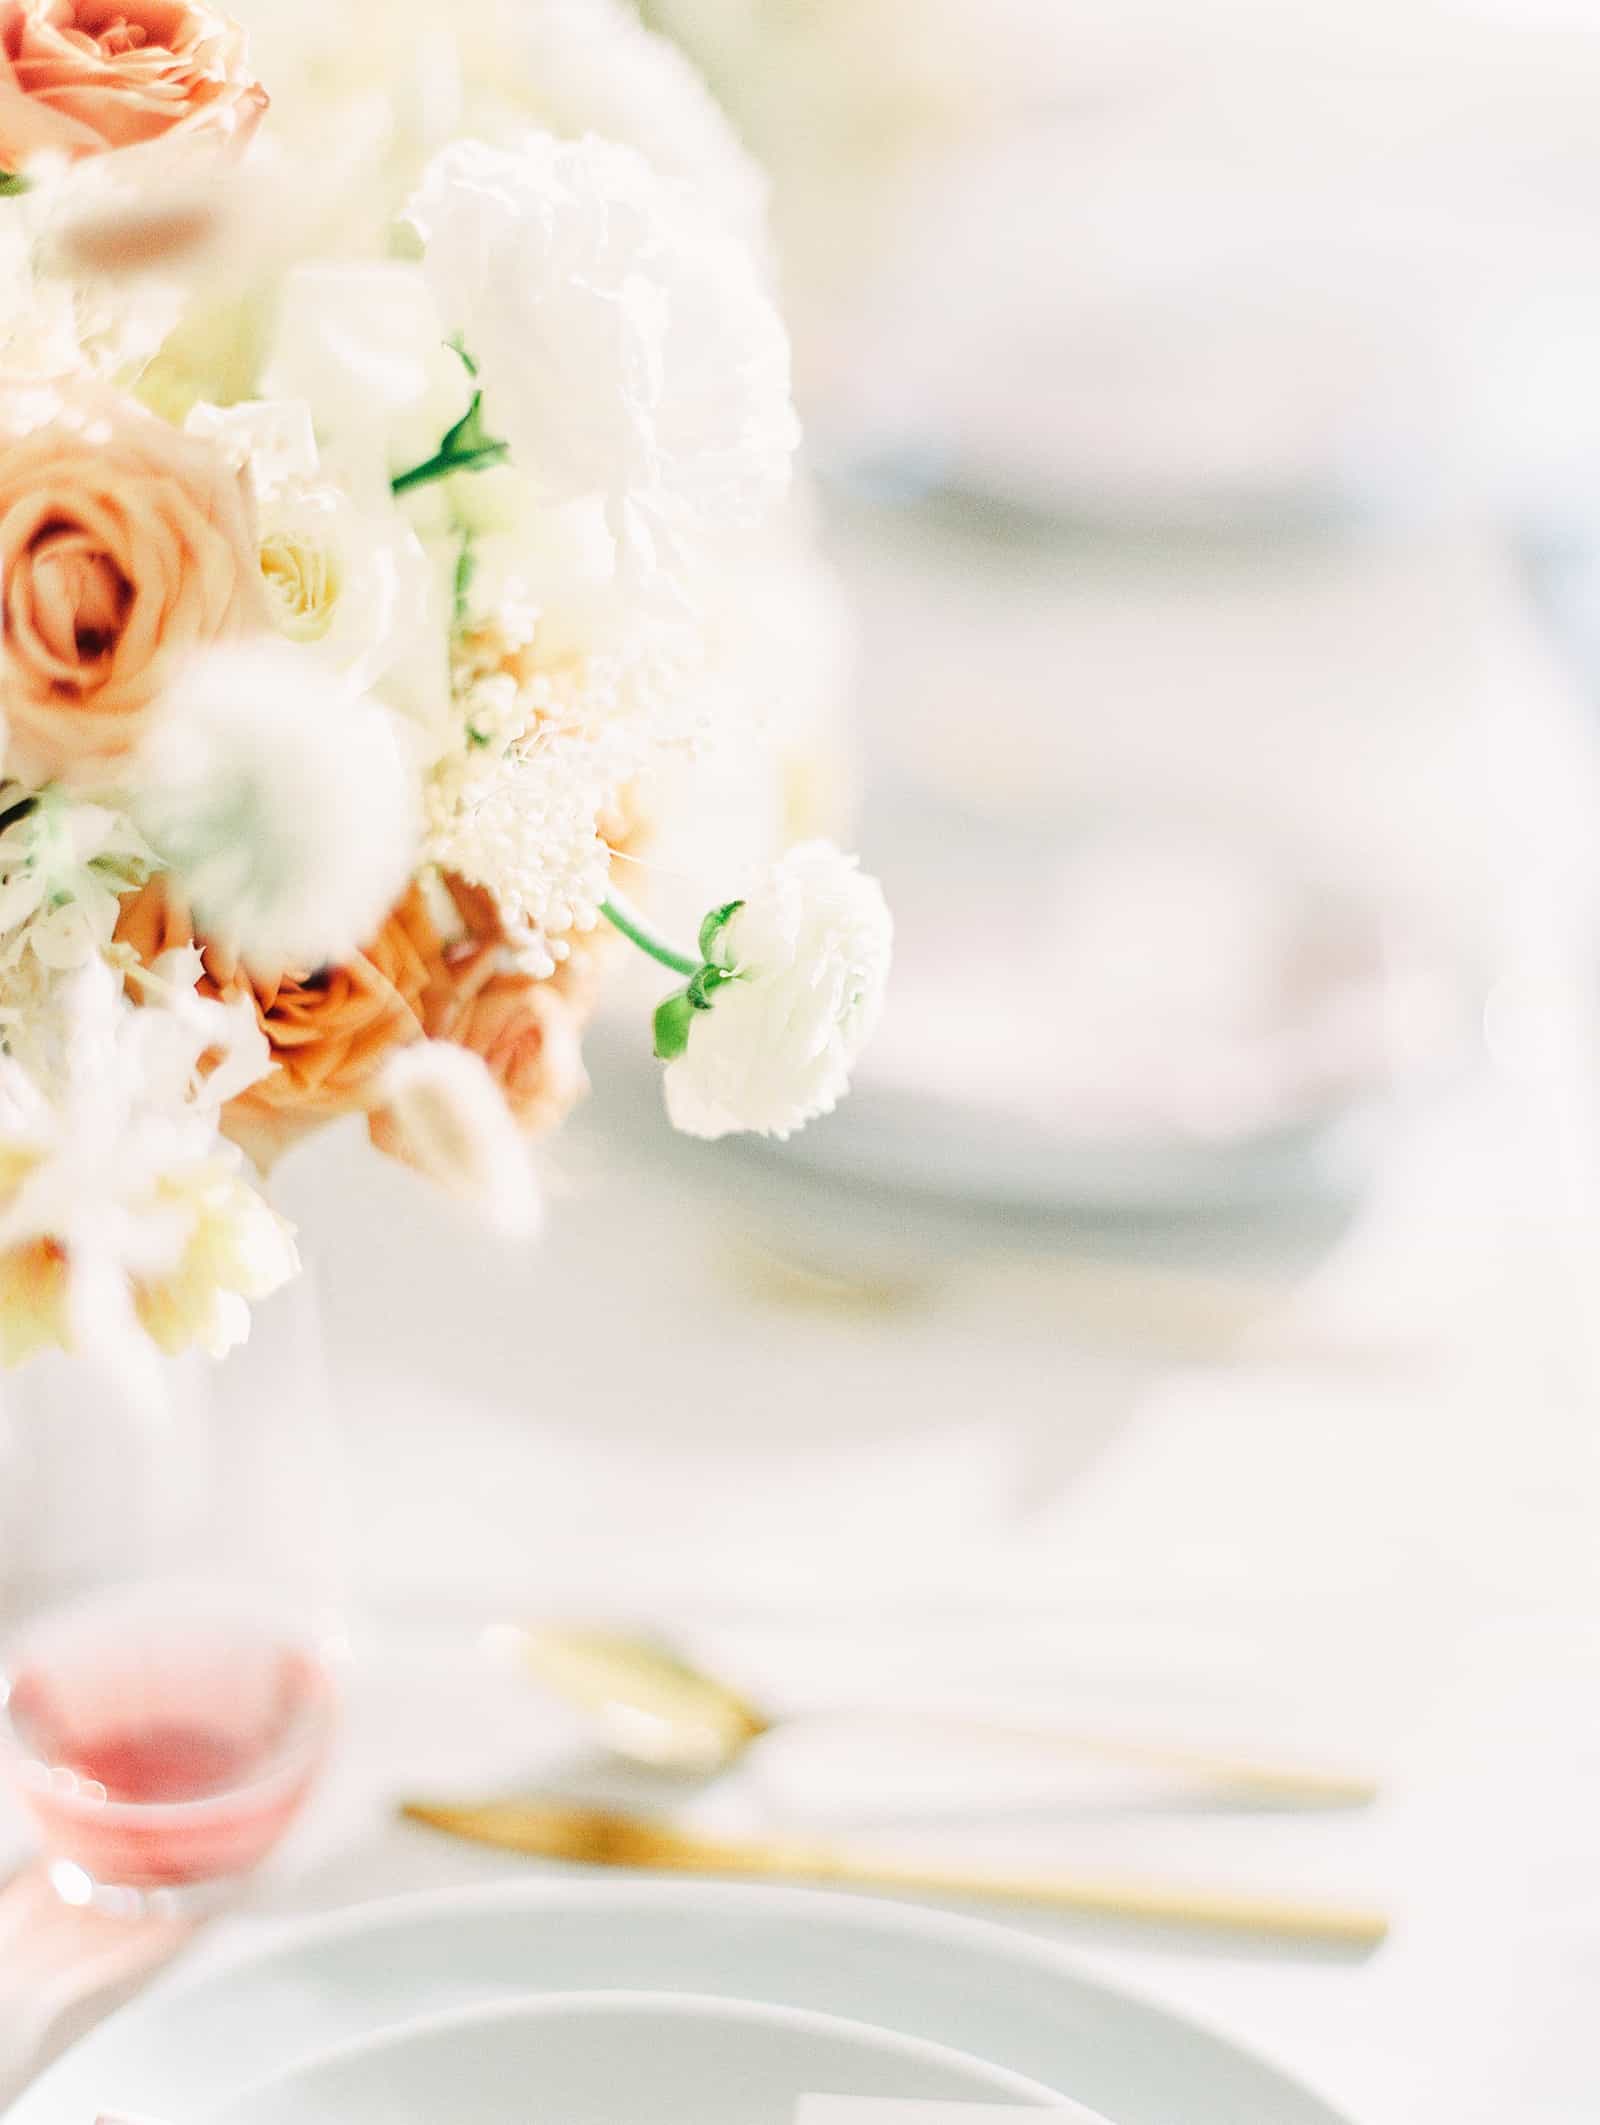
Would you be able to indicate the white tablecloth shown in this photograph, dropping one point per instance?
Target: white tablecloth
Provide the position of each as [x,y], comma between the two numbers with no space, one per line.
[1350,1511]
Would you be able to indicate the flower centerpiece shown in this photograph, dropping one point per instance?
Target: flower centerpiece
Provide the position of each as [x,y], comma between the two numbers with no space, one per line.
[385,413]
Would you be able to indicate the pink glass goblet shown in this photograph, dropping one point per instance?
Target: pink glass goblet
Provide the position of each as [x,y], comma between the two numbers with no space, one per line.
[163,1740]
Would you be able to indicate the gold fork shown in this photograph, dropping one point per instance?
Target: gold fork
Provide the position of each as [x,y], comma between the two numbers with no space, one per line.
[597,1837]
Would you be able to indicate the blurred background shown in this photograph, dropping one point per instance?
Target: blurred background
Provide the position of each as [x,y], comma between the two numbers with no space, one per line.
[1203,437]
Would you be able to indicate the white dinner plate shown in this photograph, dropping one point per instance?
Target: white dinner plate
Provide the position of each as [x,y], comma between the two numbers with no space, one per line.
[594,2058]
[193,2042]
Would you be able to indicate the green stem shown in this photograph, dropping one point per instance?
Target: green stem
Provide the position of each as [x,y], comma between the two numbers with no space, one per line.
[461,581]
[445,462]
[622,917]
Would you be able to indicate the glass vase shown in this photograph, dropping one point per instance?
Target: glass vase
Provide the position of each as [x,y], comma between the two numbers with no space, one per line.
[170,1593]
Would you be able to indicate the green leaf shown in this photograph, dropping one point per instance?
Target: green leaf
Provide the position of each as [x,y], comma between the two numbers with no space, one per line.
[714,925]
[463,448]
[443,465]
[482,459]
[672,1021]
[468,437]
[705,984]
[13,186]
[467,432]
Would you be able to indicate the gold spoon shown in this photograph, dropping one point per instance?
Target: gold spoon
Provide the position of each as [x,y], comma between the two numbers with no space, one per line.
[652,1707]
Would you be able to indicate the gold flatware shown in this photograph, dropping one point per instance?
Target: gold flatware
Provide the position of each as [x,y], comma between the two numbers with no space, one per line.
[653,1707]
[597,1837]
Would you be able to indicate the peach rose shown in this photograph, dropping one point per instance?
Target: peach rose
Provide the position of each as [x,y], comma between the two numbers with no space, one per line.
[526,1030]
[329,1032]
[78,77]
[124,547]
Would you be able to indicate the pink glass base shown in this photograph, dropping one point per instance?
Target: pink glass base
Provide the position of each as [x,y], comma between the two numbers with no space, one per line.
[161,1748]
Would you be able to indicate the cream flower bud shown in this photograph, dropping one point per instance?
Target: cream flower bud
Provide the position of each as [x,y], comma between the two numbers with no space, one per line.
[767,1034]
[442,1113]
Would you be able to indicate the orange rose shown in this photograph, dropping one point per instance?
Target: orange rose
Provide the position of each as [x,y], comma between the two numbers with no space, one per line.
[329,1032]
[525,1031]
[80,76]
[124,548]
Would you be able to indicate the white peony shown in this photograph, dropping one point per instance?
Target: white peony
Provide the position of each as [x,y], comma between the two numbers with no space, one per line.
[286,804]
[590,66]
[625,343]
[363,96]
[797,982]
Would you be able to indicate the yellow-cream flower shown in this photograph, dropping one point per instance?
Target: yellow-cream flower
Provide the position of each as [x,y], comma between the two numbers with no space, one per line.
[348,579]
[302,566]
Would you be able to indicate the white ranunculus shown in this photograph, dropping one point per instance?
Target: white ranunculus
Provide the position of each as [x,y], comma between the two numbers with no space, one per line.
[286,803]
[625,343]
[808,952]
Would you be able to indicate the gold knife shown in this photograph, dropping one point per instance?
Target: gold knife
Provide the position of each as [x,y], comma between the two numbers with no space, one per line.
[596,1837]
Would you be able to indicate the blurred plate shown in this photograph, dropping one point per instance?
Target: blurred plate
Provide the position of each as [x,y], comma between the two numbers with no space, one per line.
[927,1173]
[601,2058]
[191,2045]
[886,1136]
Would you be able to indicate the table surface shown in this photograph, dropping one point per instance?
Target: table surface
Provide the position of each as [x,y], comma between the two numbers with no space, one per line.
[1348,1510]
